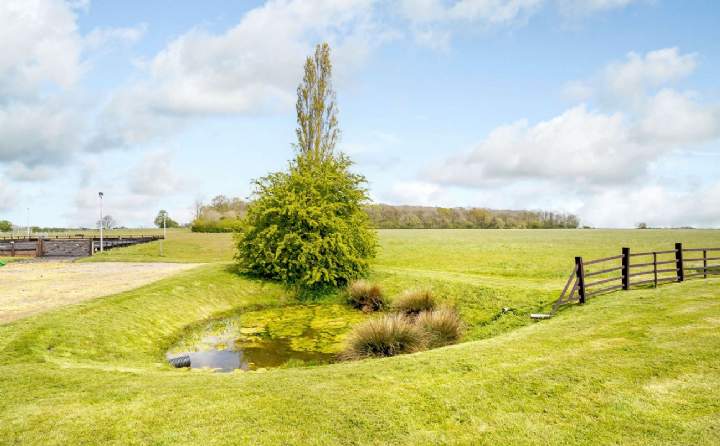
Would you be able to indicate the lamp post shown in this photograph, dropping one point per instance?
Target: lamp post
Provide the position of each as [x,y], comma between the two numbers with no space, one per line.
[162,240]
[100,195]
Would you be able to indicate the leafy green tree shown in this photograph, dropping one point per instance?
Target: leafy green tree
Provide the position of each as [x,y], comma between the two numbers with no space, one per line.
[307,226]
[169,222]
[5,226]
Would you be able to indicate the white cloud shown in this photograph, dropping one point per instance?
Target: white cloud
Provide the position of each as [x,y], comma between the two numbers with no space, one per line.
[676,118]
[579,146]
[132,196]
[432,22]
[492,11]
[128,118]
[471,11]
[251,68]
[20,172]
[417,193]
[38,133]
[41,46]
[422,11]
[123,207]
[41,64]
[255,65]
[155,175]
[604,160]
[627,82]
[7,196]
[654,204]
[42,61]
[655,68]
[585,146]
[100,37]
[585,7]
[578,91]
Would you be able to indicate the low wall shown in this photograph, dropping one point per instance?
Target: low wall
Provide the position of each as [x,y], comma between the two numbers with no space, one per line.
[66,247]
[17,248]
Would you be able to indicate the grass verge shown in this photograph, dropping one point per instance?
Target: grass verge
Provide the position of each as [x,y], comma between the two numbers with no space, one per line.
[632,368]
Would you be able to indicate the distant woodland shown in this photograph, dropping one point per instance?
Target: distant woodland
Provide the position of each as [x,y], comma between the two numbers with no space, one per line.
[223,214]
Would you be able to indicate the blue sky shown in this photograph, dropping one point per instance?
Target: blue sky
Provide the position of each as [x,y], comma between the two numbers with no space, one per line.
[609,109]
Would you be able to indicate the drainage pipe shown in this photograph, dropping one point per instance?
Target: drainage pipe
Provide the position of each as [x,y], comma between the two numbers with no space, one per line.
[180,361]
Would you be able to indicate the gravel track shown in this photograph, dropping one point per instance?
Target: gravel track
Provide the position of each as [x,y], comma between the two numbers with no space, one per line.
[28,288]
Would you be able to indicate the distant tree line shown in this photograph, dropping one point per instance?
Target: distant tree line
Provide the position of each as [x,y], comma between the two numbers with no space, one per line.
[386,216]
[223,214]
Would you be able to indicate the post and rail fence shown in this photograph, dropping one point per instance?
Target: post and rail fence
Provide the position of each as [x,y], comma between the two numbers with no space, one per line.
[666,267]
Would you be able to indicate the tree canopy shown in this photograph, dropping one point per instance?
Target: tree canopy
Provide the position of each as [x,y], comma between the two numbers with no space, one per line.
[306,226]
[169,222]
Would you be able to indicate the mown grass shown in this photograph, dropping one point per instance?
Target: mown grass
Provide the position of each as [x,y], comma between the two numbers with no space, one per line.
[181,245]
[632,368]
[638,367]
[482,272]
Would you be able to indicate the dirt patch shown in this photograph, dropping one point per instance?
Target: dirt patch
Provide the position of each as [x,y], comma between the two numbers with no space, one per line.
[34,287]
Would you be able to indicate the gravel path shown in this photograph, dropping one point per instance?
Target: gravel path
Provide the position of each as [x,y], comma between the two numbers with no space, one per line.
[34,287]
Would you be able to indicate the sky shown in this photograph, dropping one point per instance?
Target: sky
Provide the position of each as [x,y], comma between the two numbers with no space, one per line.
[608,109]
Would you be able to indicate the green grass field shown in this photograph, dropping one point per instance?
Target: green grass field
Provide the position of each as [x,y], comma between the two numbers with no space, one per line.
[637,367]
[181,245]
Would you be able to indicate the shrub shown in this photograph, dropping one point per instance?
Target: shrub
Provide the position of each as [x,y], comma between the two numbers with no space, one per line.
[224,225]
[413,302]
[388,335]
[307,226]
[441,327]
[365,296]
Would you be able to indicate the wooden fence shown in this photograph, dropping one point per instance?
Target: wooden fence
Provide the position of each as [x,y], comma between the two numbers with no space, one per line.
[78,246]
[617,272]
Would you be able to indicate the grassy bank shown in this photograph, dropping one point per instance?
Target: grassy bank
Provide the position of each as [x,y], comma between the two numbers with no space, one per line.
[631,368]
[636,367]
[515,253]
[181,245]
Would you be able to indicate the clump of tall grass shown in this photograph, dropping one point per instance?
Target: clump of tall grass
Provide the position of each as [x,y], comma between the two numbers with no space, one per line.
[414,302]
[441,327]
[365,296]
[388,335]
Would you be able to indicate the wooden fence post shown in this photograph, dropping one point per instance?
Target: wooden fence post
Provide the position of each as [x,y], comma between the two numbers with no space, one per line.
[679,262]
[626,268]
[704,263]
[580,278]
[655,267]
[12,248]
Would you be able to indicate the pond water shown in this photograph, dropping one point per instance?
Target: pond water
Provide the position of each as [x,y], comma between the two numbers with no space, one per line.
[285,336]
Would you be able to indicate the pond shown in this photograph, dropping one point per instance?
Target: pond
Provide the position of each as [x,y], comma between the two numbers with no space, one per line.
[285,336]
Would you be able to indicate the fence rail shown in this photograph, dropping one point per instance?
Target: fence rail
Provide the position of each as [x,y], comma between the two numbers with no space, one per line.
[21,237]
[579,289]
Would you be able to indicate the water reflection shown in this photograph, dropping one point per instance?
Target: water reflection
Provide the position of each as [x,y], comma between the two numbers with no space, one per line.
[220,360]
[290,336]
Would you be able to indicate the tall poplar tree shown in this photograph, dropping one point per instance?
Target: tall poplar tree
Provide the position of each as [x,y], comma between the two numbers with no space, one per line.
[318,131]
[306,226]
